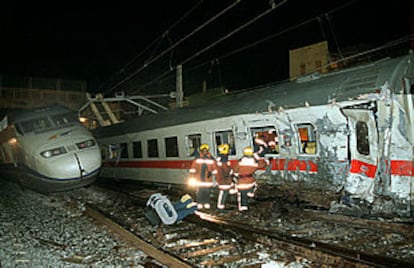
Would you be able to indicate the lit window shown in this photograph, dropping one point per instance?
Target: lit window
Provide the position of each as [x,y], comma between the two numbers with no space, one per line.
[267,138]
[307,138]
[193,142]
[226,137]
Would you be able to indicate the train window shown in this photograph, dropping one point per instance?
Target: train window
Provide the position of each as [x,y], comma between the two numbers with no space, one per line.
[37,124]
[307,138]
[152,146]
[104,151]
[113,151]
[226,137]
[171,147]
[362,138]
[192,142]
[123,150]
[137,149]
[64,119]
[266,138]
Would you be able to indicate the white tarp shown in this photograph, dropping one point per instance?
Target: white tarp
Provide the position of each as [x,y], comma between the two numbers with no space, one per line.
[3,123]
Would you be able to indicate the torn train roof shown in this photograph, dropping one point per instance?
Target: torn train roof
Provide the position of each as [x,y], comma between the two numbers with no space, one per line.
[336,86]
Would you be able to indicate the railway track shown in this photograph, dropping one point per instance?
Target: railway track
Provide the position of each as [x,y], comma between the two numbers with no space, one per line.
[230,239]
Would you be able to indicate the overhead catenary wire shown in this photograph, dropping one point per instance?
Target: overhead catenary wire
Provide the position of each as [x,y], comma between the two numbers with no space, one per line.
[272,36]
[234,31]
[233,51]
[267,38]
[334,35]
[146,64]
[157,41]
[163,35]
[363,53]
[385,46]
[273,5]
[261,15]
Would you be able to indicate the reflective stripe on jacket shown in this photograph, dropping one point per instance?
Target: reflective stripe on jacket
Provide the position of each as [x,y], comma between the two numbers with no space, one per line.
[202,169]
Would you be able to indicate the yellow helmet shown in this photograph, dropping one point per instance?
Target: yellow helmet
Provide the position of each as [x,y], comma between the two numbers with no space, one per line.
[204,146]
[185,198]
[224,148]
[248,151]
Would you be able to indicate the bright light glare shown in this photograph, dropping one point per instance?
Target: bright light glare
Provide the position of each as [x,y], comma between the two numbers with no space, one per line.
[192,182]
[83,119]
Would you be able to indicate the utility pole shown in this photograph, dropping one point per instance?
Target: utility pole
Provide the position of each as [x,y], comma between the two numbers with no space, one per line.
[179,86]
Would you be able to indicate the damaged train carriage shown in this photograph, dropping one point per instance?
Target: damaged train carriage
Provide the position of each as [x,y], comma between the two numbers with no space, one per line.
[348,133]
[361,148]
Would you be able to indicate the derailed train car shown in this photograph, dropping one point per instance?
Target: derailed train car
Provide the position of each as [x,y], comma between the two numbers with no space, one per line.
[350,132]
[48,150]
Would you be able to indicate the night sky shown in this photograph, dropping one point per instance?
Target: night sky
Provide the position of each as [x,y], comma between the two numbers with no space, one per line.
[97,41]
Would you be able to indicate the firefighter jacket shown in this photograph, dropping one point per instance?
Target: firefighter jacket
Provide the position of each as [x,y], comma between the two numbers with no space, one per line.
[224,172]
[244,170]
[202,170]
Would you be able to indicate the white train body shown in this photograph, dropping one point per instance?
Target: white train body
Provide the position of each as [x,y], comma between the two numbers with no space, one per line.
[350,131]
[48,150]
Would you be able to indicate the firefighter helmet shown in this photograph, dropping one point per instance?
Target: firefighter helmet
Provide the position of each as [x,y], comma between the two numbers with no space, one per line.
[224,148]
[204,146]
[248,151]
[185,198]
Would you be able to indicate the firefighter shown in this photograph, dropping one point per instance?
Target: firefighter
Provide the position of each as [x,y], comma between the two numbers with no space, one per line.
[243,171]
[202,170]
[224,175]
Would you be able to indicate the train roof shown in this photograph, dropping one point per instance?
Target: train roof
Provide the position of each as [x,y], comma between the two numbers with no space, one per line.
[314,89]
[27,114]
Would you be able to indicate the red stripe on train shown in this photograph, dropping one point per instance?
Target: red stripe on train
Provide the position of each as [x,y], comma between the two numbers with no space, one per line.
[294,165]
[402,168]
[277,164]
[169,164]
[359,167]
[397,167]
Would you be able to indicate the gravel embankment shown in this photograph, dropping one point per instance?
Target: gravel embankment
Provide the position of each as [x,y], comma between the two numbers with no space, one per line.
[42,231]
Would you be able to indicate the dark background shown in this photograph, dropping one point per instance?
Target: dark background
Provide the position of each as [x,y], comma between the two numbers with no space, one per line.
[104,42]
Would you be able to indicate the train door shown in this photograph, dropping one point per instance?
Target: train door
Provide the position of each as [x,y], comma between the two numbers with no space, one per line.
[363,151]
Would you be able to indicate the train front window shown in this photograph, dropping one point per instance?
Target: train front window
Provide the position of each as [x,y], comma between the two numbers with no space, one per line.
[37,124]
[226,137]
[64,119]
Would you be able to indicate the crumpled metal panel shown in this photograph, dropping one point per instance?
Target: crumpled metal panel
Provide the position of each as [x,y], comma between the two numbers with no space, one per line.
[331,156]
